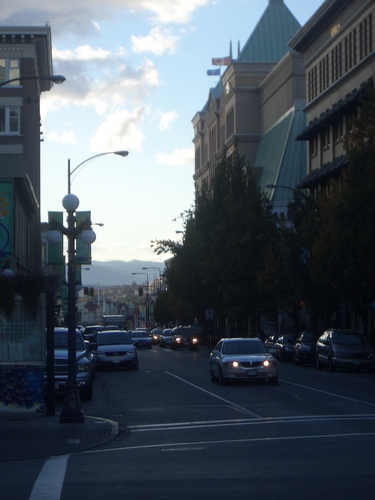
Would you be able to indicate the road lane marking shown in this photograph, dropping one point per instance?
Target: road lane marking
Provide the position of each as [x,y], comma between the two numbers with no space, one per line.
[51,479]
[240,422]
[234,405]
[230,441]
[328,393]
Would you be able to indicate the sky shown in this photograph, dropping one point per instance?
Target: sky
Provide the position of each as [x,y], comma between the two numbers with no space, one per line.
[136,74]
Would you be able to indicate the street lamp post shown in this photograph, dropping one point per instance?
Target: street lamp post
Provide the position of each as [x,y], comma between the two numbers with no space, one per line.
[147,304]
[51,78]
[71,412]
[71,172]
[158,268]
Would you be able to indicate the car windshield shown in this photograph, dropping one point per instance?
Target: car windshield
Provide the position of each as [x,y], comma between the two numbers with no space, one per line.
[113,339]
[309,337]
[289,340]
[348,338]
[139,335]
[61,341]
[244,347]
[186,332]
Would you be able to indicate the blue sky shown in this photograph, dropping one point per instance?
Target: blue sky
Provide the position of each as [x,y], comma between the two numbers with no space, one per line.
[135,77]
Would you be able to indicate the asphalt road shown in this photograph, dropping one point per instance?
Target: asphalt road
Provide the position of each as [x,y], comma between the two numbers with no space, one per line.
[183,437]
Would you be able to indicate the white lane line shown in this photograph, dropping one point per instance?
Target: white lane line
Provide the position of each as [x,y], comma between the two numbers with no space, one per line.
[241,422]
[238,407]
[328,393]
[201,444]
[51,479]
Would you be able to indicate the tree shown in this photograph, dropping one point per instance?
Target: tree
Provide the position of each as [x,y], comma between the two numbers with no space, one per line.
[217,263]
[344,252]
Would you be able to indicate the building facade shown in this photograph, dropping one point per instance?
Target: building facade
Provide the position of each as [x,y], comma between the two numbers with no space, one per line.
[338,47]
[256,108]
[24,52]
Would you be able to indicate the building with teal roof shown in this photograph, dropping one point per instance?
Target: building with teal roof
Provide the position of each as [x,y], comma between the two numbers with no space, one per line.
[257,108]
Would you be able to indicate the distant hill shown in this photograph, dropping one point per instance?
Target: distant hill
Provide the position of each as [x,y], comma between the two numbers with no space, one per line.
[118,272]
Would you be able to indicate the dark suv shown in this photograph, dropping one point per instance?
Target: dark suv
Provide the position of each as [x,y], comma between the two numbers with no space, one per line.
[84,374]
[344,349]
[183,336]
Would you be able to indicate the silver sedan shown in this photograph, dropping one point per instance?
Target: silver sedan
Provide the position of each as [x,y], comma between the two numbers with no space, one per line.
[242,359]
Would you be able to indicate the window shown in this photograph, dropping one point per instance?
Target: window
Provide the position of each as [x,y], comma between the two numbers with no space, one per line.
[9,120]
[230,123]
[324,138]
[338,130]
[9,69]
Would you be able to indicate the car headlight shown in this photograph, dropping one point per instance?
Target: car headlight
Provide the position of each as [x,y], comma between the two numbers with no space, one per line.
[194,341]
[84,367]
[230,364]
[269,362]
[131,352]
[177,339]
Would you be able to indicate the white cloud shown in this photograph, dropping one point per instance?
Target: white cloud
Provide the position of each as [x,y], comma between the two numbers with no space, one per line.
[166,120]
[81,53]
[64,138]
[177,157]
[80,16]
[157,42]
[99,79]
[120,130]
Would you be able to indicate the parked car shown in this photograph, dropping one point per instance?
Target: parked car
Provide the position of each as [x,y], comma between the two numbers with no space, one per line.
[270,343]
[344,349]
[141,338]
[183,336]
[284,347]
[242,359]
[84,374]
[304,348]
[165,338]
[115,349]
[155,335]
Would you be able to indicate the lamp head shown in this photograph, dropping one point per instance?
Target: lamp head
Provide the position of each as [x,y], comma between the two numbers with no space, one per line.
[56,79]
[70,202]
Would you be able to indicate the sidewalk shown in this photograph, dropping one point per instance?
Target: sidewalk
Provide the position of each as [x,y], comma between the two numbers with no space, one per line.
[35,435]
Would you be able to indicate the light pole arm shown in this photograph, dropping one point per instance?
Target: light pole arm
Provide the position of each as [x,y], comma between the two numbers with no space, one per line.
[71,172]
[51,78]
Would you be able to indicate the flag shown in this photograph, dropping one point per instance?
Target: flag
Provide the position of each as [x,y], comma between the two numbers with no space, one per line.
[221,61]
[213,72]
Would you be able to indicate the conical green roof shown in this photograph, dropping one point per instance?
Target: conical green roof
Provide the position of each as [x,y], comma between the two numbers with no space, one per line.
[268,42]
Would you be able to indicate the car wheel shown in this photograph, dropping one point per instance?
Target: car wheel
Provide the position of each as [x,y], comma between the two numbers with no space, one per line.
[295,360]
[193,348]
[149,347]
[212,375]
[273,380]
[222,379]
[86,392]
[331,368]
[318,364]
[135,365]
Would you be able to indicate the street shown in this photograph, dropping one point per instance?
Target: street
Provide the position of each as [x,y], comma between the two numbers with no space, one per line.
[183,437]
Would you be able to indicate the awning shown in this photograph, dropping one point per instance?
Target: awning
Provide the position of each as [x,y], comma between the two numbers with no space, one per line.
[326,171]
[341,107]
